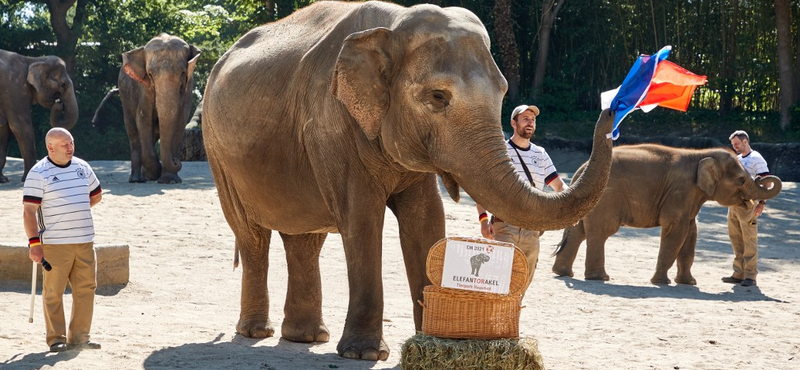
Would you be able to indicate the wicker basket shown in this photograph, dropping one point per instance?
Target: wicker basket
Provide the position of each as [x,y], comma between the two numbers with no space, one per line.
[519,268]
[462,314]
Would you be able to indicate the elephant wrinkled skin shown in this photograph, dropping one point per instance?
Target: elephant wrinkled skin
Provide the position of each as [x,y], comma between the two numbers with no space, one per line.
[26,81]
[155,86]
[653,185]
[320,121]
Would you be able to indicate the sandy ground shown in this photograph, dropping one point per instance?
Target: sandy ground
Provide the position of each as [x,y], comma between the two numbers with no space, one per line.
[181,305]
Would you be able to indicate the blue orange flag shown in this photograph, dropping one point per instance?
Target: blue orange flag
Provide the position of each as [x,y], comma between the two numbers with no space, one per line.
[652,82]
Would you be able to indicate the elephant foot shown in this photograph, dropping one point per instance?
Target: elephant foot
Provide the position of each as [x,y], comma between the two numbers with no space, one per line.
[256,328]
[685,280]
[563,271]
[363,348]
[305,331]
[660,280]
[596,276]
[137,178]
[3,179]
[172,178]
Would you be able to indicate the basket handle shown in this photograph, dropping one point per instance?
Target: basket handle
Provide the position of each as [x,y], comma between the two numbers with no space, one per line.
[421,304]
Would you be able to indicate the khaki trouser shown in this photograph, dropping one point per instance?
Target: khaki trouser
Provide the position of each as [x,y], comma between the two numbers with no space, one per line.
[743,232]
[526,240]
[73,263]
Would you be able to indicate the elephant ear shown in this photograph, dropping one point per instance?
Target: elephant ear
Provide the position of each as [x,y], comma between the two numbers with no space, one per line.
[37,74]
[194,54]
[708,173]
[135,66]
[361,77]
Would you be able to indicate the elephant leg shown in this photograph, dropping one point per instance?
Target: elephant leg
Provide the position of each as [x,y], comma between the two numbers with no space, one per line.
[596,236]
[5,136]
[147,137]
[362,337]
[136,148]
[418,208]
[686,257]
[22,128]
[673,236]
[303,309]
[570,242]
[253,245]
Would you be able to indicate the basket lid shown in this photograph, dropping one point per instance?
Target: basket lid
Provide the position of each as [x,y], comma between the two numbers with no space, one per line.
[519,268]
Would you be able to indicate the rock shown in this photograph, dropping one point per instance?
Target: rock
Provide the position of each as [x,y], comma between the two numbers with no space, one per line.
[113,267]
[193,148]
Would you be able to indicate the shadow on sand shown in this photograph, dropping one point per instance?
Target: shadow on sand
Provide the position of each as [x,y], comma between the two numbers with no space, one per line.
[679,291]
[242,353]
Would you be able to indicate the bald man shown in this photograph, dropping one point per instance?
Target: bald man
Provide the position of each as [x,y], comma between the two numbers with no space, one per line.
[57,196]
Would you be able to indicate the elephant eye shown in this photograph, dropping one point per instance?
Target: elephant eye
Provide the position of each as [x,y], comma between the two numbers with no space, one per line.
[740,181]
[438,100]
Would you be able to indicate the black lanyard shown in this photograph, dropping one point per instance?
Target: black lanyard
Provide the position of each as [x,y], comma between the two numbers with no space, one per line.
[524,166]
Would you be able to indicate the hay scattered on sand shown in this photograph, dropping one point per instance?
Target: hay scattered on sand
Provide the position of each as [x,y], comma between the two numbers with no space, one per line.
[428,352]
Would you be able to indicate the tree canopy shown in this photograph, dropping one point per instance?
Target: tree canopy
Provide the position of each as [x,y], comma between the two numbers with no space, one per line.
[582,48]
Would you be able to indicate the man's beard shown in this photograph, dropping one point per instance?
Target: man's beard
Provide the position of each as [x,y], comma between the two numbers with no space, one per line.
[525,134]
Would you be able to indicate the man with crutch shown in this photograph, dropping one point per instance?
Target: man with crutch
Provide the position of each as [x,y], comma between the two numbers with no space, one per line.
[57,196]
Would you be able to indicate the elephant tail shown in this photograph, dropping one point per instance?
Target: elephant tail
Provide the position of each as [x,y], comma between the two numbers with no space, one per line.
[574,230]
[95,119]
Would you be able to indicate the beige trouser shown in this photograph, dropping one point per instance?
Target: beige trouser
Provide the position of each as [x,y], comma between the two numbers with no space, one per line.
[526,240]
[73,263]
[743,231]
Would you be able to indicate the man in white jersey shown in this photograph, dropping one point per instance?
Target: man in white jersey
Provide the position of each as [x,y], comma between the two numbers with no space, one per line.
[743,221]
[533,165]
[57,195]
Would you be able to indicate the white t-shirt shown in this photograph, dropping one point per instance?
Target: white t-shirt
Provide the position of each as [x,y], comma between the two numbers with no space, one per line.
[754,164]
[63,195]
[541,167]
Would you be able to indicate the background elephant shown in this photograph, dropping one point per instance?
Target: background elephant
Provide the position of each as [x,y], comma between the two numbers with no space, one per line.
[653,185]
[476,261]
[26,81]
[319,122]
[155,86]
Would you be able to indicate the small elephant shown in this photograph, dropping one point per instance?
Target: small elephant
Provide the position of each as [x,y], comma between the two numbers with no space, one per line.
[321,121]
[477,261]
[155,86]
[653,185]
[26,81]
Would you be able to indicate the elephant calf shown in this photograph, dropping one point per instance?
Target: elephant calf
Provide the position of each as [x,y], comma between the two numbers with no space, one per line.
[654,185]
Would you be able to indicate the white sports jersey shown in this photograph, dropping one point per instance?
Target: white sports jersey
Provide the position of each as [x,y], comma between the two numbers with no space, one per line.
[539,164]
[754,164]
[63,195]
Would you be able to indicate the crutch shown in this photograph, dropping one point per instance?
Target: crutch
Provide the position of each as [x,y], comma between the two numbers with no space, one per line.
[33,290]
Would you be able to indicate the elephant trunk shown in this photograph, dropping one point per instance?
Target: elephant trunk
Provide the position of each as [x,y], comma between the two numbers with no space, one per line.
[760,188]
[514,201]
[64,112]
[171,122]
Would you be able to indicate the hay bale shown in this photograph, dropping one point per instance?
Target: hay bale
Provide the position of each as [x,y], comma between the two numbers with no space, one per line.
[428,352]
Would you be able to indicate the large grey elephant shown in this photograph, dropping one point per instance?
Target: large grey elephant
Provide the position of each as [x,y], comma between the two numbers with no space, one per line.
[25,81]
[155,86]
[317,123]
[653,185]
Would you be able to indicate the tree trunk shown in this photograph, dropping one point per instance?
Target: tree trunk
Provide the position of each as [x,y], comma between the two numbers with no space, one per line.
[550,10]
[785,75]
[507,45]
[66,36]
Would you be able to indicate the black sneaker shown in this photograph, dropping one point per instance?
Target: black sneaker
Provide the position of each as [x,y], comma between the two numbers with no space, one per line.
[731,280]
[58,347]
[748,282]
